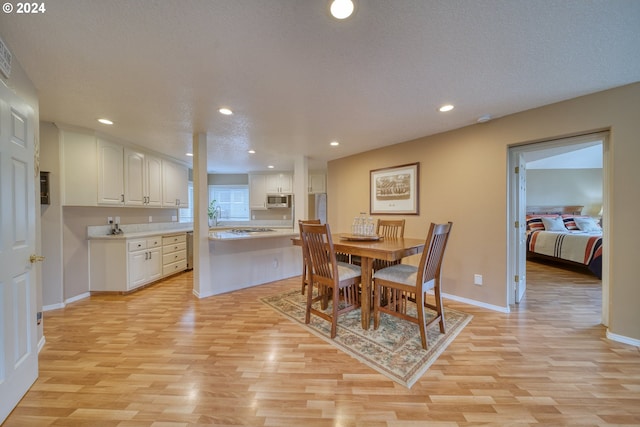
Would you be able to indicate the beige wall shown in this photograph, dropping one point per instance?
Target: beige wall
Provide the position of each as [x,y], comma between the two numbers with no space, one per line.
[546,187]
[463,178]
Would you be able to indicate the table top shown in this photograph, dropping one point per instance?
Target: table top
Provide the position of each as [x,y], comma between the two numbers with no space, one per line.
[390,249]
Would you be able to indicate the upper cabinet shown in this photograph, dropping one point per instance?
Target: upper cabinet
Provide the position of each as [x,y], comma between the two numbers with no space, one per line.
[175,181]
[317,183]
[257,192]
[279,183]
[110,173]
[142,179]
[97,172]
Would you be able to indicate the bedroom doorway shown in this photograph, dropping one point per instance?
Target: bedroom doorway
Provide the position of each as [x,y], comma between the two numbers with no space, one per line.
[566,153]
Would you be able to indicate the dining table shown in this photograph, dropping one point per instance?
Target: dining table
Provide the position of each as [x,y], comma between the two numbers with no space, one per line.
[370,248]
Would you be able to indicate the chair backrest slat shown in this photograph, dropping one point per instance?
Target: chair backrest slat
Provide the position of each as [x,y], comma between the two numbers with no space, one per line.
[390,227]
[318,248]
[433,253]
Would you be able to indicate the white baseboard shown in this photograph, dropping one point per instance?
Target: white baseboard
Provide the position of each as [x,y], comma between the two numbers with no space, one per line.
[623,339]
[477,303]
[41,344]
[53,306]
[77,298]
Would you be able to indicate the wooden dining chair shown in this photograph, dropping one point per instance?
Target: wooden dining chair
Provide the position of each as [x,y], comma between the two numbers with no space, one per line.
[338,281]
[388,229]
[401,281]
[305,279]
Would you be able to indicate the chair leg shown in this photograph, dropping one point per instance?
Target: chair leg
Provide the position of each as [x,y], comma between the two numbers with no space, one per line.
[307,315]
[439,309]
[334,311]
[376,305]
[304,277]
[421,319]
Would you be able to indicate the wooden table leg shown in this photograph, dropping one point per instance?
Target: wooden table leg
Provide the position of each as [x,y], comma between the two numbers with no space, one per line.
[365,299]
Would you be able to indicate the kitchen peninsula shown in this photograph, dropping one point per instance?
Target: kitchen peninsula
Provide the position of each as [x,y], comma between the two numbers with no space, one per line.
[250,256]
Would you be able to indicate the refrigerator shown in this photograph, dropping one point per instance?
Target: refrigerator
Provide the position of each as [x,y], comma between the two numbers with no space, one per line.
[318,207]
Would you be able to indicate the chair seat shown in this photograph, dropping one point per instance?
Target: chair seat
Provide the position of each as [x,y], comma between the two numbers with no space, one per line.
[402,273]
[348,271]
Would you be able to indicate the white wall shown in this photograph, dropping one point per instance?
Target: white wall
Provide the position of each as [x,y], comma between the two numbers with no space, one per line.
[559,187]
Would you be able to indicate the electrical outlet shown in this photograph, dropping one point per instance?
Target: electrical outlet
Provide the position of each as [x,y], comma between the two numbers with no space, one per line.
[150,218]
[284,217]
[174,218]
[109,220]
[477,279]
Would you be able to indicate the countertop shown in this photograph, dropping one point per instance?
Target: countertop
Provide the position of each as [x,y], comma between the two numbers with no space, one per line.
[140,234]
[227,234]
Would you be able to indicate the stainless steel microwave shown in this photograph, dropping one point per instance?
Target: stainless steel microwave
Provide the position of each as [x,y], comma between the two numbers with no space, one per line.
[278,201]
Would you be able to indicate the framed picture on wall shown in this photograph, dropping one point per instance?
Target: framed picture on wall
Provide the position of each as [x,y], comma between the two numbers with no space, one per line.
[394,191]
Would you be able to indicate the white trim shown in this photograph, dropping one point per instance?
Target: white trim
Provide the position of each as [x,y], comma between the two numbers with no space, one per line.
[477,303]
[622,339]
[53,306]
[41,344]
[77,298]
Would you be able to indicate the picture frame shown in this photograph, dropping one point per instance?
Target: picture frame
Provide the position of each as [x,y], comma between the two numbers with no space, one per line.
[394,190]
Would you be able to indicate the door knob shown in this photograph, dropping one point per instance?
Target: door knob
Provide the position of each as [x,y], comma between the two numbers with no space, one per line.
[35,258]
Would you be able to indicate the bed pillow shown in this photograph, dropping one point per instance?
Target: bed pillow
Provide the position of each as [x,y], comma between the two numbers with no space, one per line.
[570,221]
[553,224]
[534,222]
[587,224]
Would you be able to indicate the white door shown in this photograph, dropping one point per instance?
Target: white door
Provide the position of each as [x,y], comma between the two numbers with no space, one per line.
[520,277]
[18,323]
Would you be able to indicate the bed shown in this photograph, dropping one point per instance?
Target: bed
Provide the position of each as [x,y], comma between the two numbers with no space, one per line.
[561,233]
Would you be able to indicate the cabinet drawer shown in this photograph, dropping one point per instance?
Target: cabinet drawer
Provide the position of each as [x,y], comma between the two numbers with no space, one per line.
[136,245]
[178,238]
[174,257]
[174,248]
[174,267]
[154,242]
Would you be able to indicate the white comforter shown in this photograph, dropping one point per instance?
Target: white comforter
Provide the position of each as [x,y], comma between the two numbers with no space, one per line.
[577,246]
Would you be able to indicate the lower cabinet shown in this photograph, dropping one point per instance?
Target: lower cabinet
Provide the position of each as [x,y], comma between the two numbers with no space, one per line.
[122,265]
[174,254]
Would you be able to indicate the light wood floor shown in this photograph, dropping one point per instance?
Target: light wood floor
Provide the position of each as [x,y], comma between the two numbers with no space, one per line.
[160,357]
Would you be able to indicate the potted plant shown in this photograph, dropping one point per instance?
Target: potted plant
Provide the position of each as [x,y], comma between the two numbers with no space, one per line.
[214,213]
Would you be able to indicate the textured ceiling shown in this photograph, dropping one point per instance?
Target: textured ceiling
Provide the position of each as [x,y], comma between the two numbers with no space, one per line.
[298,79]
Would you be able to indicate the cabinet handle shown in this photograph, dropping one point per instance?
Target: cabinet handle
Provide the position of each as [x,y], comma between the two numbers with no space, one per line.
[150,254]
[146,256]
[122,198]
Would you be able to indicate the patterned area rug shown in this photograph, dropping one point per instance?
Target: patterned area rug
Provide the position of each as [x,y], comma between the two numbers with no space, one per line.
[393,350]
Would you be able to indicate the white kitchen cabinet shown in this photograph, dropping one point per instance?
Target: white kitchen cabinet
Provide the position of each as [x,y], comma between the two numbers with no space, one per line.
[79,164]
[317,183]
[144,261]
[257,192]
[174,254]
[142,179]
[175,184]
[122,265]
[110,173]
[279,183]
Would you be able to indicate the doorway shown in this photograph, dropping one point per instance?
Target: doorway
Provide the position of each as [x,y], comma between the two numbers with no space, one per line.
[552,150]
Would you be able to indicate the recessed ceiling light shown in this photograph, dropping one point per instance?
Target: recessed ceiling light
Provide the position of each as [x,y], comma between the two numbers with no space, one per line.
[225,111]
[271,166]
[188,154]
[342,9]
[334,143]
[251,151]
[446,108]
[105,121]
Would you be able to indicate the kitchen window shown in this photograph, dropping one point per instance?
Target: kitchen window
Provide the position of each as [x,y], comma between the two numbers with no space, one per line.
[233,201]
